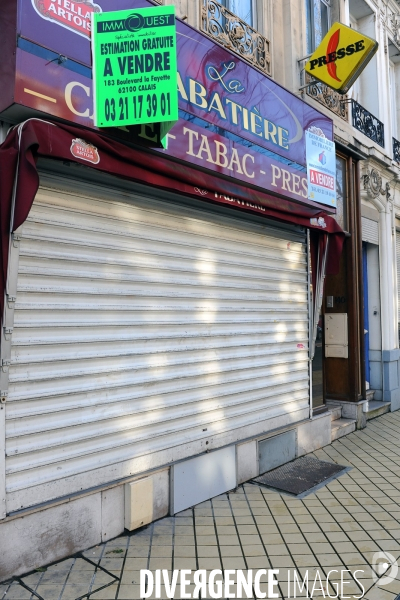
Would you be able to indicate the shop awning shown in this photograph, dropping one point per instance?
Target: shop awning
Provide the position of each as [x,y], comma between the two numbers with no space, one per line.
[34,139]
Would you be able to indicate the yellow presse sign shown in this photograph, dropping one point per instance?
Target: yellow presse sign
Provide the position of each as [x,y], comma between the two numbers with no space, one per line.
[340,57]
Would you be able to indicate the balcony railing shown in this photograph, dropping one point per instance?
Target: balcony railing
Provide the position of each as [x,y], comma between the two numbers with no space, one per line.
[328,97]
[367,124]
[396,150]
[228,29]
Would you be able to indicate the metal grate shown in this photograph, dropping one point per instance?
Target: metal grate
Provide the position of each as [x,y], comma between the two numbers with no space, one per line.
[231,31]
[396,150]
[66,577]
[369,125]
[326,96]
[300,476]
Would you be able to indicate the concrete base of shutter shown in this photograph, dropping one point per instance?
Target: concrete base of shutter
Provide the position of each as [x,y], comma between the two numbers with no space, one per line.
[30,540]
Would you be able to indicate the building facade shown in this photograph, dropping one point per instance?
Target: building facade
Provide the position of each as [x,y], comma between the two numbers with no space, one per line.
[158,318]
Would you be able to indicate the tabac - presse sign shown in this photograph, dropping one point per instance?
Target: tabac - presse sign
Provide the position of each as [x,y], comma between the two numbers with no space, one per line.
[135,67]
[321,169]
[341,57]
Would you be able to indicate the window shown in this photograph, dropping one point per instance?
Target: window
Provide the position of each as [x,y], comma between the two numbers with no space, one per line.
[318,22]
[242,8]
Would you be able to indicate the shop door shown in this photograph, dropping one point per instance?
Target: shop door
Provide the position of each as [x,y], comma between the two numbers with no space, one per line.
[317,368]
[366,314]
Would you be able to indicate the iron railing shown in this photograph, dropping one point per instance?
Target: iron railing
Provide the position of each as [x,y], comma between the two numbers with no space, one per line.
[326,96]
[396,150]
[369,125]
[228,29]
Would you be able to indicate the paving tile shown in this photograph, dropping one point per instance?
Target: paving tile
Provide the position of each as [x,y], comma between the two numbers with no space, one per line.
[289,528]
[162,540]
[184,540]
[185,529]
[207,540]
[72,591]
[228,540]
[160,563]
[258,562]
[205,529]
[114,565]
[33,579]
[247,520]
[253,550]
[135,564]
[209,563]
[247,529]
[183,520]
[224,521]
[128,592]
[294,538]
[80,577]
[138,551]
[378,593]
[231,551]
[317,537]
[226,530]
[185,551]
[108,593]
[299,548]
[249,540]
[17,592]
[160,552]
[207,551]
[233,562]
[186,563]
[276,549]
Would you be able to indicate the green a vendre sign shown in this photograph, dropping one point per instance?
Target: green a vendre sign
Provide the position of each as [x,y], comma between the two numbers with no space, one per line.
[135,67]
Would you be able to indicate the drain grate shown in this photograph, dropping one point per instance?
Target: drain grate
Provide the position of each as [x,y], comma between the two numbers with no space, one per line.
[300,476]
[62,580]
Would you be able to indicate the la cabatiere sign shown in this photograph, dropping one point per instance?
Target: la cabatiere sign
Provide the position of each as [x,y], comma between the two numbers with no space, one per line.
[135,67]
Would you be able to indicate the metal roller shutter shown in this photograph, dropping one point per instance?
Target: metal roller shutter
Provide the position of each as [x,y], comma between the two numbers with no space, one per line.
[141,331]
[370,231]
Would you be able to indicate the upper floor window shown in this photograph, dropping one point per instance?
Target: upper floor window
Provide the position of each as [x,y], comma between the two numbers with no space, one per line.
[318,22]
[244,9]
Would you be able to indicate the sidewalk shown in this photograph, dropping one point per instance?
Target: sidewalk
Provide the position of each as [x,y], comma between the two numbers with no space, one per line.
[341,526]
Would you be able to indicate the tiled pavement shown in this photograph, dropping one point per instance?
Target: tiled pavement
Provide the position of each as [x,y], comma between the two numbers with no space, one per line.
[341,526]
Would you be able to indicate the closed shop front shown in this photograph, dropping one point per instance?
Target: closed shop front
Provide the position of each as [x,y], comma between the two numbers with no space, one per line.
[142,332]
[156,303]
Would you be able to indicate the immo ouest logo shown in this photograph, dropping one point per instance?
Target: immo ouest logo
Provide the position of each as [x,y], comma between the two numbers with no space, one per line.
[341,57]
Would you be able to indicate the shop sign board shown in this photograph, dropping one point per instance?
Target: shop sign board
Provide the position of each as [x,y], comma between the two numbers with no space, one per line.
[341,57]
[134,66]
[321,169]
[232,118]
